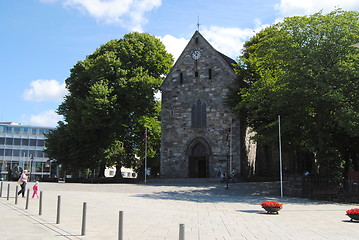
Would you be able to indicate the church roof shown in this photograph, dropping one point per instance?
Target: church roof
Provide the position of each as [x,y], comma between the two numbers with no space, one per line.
[228,60]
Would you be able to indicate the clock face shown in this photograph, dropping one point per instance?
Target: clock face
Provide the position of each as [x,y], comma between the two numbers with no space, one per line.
[196,54]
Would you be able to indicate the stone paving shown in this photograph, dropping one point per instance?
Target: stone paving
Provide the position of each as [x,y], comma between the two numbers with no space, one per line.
[154,211]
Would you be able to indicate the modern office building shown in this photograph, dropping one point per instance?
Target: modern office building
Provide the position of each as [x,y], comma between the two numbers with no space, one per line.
[21,147]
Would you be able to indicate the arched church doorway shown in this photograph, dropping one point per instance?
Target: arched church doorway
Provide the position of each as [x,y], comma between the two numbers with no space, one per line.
[198,160]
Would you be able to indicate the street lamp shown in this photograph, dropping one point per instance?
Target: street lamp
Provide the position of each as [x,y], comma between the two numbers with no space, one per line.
[31,159]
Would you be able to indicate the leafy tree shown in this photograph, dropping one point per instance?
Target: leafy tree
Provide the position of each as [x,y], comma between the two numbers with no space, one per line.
[110,93]
[305,70]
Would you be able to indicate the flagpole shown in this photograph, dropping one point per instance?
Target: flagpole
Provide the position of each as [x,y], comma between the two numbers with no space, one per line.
[230,149]
[145,155]
[280,159]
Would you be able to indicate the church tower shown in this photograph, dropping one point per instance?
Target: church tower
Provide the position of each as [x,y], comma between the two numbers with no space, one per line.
[200,135]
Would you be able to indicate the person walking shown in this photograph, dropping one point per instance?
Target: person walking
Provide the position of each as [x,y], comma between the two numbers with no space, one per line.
[23,179]
[36,189]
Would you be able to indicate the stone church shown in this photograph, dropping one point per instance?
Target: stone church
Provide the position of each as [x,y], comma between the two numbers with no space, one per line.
[200,135]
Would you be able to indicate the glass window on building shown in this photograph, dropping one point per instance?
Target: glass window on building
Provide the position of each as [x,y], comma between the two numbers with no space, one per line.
[27,130]
[17,141]
[24,142]
[2,140]
[38,166]
[2,151]
[35,131]
[32,142]
[2,129]
[32,153]
[6,165]
[40,142]
[39,154]
[8,152]
[42,131]
[16,153]
[8,141]
[24,154]
[17,130]
[46,167]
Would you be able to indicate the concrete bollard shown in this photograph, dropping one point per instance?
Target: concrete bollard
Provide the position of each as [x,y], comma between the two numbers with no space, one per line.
[40,204]
[120,226]
[16,191]
[58,209]
[27,199]
[181,232]
[8,192]
[1,189]
[83,229]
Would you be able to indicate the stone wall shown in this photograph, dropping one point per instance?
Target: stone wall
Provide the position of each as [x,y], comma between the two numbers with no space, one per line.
[180,90]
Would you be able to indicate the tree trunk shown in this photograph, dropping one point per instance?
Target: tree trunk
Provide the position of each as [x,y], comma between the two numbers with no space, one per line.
[101,172]
[118,174]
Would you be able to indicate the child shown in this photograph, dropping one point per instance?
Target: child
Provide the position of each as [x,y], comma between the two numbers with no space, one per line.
[35,188]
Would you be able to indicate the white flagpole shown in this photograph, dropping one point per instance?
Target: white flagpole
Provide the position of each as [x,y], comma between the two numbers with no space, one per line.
[146,155]
[230,148]
[280,160]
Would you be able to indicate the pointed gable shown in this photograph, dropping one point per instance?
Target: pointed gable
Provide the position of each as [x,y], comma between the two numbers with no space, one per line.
[197,41]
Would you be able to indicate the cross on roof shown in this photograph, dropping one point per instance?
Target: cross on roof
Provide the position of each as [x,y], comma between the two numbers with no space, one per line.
[198,23]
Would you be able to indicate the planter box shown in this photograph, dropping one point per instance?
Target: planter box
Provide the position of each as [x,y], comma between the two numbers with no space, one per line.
[272,209]
[353,216]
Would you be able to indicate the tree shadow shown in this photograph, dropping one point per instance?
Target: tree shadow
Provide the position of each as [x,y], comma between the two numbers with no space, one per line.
[249,192]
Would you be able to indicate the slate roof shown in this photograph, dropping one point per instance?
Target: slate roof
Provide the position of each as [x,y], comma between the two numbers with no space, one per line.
[228,60]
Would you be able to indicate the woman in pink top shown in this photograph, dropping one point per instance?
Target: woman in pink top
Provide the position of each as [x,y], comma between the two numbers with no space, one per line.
[23,183]
[36,189]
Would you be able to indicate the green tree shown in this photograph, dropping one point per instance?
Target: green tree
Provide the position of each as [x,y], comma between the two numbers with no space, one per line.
[305,70]
[110,93]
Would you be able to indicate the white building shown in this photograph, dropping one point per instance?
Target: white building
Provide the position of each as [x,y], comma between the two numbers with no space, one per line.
[21,147]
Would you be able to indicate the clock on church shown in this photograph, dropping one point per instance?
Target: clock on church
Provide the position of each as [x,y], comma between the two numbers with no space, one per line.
[196,54]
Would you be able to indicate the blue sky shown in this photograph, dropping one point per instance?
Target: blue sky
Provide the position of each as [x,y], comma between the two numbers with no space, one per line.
[43,39]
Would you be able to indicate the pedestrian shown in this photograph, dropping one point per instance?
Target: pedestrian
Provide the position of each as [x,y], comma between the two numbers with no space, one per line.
[36,189]
[23,179]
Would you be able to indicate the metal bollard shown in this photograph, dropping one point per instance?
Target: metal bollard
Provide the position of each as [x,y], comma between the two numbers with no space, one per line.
[16,191]
[120,226]
[181,232]
[27,199]
[8,192]
[58,209]
[1,189]
[40,204]
[83,229]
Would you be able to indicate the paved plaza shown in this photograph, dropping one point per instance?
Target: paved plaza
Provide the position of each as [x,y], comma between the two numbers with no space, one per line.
[154,211]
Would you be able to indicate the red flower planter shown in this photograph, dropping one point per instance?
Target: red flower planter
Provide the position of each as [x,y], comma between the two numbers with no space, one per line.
[353,214]
[271,207]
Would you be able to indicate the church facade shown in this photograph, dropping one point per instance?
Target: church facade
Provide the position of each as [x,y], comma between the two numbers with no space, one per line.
[200,135]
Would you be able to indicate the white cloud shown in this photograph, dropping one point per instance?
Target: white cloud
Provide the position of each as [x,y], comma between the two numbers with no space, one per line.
[45,90]
[128,13]
[174,45]
[47,118]
[229,41]
[307,7]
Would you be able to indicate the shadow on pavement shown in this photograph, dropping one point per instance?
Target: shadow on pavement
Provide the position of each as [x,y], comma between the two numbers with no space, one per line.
[249,192]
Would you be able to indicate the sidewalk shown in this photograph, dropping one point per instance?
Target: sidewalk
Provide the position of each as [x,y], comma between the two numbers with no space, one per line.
[154,211]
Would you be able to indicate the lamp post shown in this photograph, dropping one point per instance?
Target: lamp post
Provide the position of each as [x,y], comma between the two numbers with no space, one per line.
[31,159]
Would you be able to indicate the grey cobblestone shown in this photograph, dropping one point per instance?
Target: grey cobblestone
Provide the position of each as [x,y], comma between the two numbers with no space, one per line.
[154,211]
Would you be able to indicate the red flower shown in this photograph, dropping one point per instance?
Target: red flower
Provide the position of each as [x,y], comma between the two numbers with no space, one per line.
[354,211]
[271,204]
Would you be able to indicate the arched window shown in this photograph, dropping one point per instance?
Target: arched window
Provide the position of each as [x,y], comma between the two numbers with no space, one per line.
[199,115]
